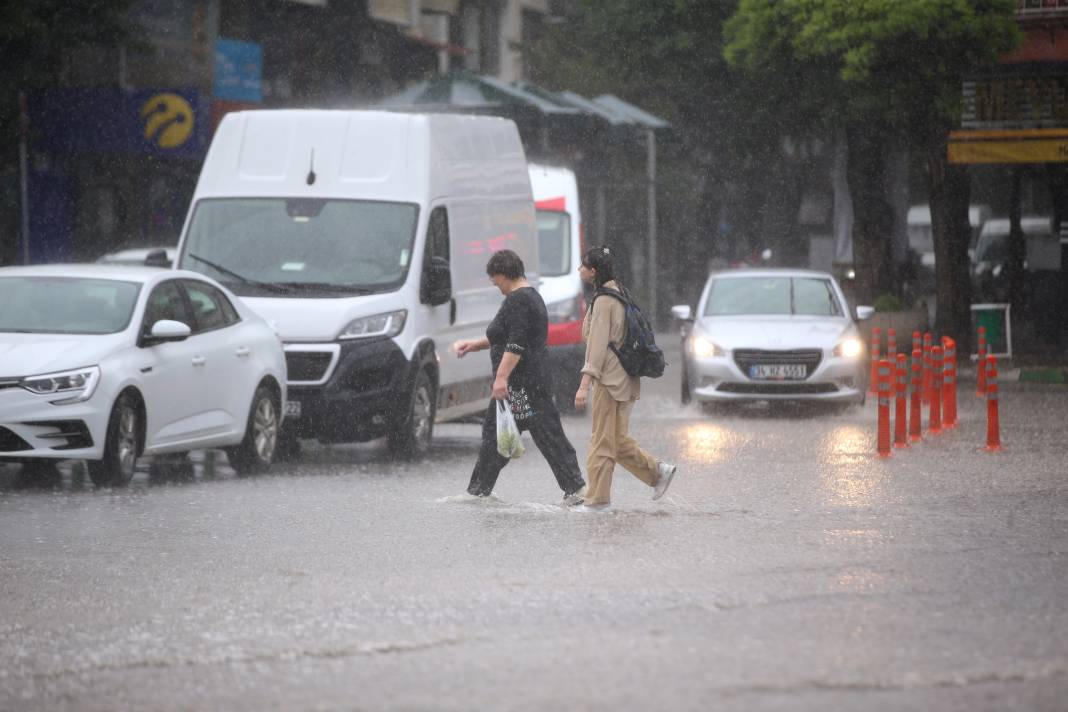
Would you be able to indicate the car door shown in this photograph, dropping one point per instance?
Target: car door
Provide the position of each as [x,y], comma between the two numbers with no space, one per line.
[225,344]
[171,381]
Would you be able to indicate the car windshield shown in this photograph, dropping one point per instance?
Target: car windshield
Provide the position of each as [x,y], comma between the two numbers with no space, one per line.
[302,247]
[773,296]
[65,305]
[992,247]
[554,243]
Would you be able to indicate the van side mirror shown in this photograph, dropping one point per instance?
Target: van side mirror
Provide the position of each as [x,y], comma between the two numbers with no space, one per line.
[681,312]
[437,282]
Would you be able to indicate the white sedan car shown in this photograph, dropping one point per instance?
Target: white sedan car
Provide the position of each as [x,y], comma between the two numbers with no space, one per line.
[105,363]
[772,334]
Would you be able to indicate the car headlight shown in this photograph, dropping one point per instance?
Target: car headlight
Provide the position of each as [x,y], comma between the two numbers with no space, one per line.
[849,348]
[700,346]
[388,324]
[76,385]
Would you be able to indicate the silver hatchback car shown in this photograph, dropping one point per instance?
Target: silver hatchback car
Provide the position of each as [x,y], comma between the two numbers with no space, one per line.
[772,334]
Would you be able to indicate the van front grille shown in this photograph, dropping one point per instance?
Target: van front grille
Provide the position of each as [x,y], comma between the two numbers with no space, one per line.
[307,365]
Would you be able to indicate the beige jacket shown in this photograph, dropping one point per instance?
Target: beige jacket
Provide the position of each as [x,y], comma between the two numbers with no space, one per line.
[605,323]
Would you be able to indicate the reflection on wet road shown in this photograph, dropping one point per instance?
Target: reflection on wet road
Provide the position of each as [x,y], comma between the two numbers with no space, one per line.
[787,568]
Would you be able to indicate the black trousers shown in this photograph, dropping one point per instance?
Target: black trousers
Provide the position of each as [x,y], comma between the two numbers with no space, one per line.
[548,434]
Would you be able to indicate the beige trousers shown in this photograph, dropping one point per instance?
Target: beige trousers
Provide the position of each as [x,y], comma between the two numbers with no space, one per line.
[609,444]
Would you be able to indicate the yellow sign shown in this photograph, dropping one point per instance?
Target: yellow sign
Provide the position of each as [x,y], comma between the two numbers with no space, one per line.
[1022,146]
[168,120]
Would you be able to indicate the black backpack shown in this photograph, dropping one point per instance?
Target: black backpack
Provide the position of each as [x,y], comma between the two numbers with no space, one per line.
[638,354]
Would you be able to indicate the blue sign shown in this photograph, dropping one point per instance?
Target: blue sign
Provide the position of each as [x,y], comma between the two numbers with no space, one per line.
[238,71]
[164,122]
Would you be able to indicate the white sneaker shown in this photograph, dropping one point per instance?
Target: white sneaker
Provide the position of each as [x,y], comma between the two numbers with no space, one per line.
[592,508]
[575,498]
[667,473]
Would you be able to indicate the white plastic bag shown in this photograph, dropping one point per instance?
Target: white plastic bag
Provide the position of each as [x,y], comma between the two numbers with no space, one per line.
[509,442]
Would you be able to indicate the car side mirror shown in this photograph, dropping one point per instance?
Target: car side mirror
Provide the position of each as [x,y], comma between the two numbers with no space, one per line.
[166,330]
[681,312]
[157,258]
[864,313]
[437,283]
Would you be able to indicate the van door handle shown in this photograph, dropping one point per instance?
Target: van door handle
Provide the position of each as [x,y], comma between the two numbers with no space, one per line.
[452,311]
[199,360]
[242,351]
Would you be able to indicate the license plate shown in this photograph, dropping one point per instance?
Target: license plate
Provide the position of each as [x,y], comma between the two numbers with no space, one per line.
[292,409]
[777,371]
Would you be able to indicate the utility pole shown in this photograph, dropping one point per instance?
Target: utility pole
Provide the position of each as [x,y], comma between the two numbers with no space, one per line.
[24,177]
[650,169]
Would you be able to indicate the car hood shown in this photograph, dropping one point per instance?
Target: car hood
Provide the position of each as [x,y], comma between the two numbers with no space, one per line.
[33,354]
[775,333]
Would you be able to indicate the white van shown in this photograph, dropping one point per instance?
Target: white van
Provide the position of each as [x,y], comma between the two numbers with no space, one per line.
[560,252]
[363,237]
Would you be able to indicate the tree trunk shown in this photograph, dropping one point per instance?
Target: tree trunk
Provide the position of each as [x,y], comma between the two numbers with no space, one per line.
[949,193]
[873,221]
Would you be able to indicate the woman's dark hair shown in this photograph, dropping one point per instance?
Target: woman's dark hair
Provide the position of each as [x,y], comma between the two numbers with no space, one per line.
[600,260]
[507,264]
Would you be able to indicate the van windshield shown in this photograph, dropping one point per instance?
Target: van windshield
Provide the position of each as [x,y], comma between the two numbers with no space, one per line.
[554,243]
[301,247]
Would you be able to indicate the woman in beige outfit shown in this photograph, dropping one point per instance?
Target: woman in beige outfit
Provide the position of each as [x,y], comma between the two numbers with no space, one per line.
[612,391]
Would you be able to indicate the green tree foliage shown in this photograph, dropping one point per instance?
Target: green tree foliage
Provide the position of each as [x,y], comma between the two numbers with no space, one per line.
[889,72]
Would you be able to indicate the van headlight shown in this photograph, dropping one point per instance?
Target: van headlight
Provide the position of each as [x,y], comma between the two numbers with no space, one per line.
[702,347]
[849,348]
[76,385]
[388,324]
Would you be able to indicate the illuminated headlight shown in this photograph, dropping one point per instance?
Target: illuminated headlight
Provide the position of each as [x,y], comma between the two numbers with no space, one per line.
[77,385]
[565,310]
[389,324]
[700,346]
[850,348]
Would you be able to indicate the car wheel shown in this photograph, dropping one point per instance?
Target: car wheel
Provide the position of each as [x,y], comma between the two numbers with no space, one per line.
[256,451]
[121,446]
[413,434]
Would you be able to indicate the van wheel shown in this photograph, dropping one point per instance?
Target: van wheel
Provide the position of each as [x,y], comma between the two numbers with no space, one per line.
[412,435]
[121,446]
[256,451]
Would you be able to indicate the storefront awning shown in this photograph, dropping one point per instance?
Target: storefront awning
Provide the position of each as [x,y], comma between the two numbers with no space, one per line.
[1009,146]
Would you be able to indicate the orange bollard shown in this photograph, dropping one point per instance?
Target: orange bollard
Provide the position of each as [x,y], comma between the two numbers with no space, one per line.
[926,392]
[891,345]
[900,405]
[993,424]
[883,374]
[917,341]
[917,385]
[873,386]
[980,368]
[934,424]
[949,383]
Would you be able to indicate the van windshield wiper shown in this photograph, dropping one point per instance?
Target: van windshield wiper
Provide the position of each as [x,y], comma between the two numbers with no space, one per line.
[328,287]
[243,279]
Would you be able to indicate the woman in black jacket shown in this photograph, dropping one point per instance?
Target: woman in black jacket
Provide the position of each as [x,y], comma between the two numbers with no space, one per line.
[516,340]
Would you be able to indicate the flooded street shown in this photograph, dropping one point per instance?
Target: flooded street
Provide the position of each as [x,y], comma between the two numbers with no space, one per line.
[787,568]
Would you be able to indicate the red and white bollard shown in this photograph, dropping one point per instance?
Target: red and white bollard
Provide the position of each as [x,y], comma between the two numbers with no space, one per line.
[883,375]
[873,386]
[949,383]
[916,412]
[934,424]
[891,344]
[993,424]
[927,339]
[980,368]
[917,340]
[900,404]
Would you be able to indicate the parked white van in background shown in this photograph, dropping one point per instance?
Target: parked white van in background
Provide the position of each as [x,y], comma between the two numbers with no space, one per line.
[363,237]
[560,248]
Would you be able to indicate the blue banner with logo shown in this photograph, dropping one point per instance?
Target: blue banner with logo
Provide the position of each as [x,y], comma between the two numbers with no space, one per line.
[161,122]
[238,71]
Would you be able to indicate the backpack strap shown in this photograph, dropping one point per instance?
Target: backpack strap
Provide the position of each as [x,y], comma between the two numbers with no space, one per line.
[611,293]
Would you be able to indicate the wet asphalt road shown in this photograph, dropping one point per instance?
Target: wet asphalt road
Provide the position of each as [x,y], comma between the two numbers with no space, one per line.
[787,569]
